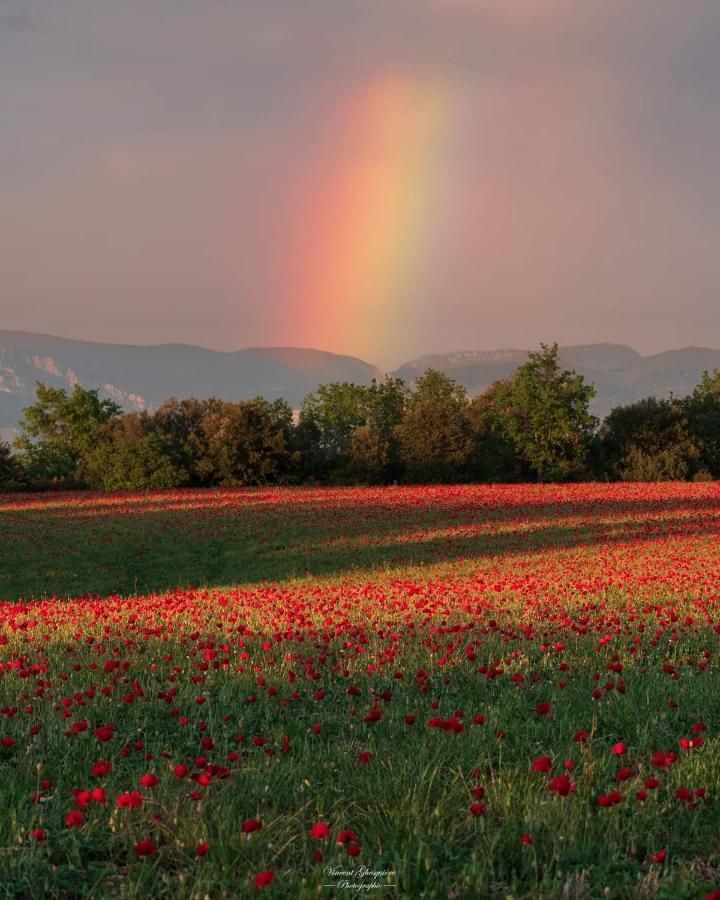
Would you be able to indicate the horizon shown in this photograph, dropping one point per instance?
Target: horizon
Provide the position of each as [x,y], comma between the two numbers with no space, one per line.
[387,370]
[372,179]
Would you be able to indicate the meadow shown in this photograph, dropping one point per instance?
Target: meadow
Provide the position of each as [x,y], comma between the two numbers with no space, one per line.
[461,691]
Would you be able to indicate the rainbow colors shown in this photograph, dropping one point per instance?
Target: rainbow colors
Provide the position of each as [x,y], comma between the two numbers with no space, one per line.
[374,212]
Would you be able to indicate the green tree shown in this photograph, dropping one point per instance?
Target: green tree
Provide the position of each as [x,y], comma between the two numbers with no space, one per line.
[494,456]
[647,441]
[702,412]
[386,400]
[246,444]
[11,472]
[180,426]
[368,456]
[219,442]
[129,455]
[434,435]
[329,418]
[59,428]
[543,410]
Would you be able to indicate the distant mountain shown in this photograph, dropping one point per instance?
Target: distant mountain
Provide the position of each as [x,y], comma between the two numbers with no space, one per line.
[142,377]
[619,373]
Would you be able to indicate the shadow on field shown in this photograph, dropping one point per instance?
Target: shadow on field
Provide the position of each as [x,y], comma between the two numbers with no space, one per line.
[70,551]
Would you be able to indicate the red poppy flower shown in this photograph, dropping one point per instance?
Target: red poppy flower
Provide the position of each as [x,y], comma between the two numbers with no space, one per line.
[130,799]
[264,878]
[145,847]
[319,830]
[561,785]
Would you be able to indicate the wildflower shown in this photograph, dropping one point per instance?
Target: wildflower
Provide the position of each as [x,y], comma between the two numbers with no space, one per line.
[264,878]
[145,847]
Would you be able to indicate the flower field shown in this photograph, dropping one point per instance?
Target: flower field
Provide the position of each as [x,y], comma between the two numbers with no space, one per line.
[451,692]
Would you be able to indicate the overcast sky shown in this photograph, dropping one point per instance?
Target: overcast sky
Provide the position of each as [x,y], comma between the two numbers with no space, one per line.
[377,177]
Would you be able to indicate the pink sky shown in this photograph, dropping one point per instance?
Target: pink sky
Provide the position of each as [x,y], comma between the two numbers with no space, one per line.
[382,178]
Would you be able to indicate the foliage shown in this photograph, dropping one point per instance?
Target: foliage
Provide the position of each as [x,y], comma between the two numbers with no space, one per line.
[534,426]
[11,471]
[368,455]
[543,411]
[702,412]
[129,455]
[494,455]
[245,444]
[648,441]
[434,434]
[332,416]
[59,428]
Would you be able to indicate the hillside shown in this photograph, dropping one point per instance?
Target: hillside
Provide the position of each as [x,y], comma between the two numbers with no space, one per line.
[141,377]
[619,373]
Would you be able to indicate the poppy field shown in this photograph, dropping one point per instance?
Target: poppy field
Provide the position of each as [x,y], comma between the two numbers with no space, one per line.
[459,691]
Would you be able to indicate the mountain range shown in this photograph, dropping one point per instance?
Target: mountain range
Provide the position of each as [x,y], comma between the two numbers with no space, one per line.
[141,377]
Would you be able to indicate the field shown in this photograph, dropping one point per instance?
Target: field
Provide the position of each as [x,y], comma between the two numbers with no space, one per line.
[507,691]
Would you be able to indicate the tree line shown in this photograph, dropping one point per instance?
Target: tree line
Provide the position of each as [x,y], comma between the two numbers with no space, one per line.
[534,426]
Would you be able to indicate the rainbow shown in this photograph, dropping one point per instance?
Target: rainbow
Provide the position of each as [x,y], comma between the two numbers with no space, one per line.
[361,249]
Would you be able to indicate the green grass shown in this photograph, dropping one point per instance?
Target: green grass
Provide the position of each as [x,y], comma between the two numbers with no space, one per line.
[561,586]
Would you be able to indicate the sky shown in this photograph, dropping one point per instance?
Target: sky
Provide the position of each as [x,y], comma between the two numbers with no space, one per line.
[382,178]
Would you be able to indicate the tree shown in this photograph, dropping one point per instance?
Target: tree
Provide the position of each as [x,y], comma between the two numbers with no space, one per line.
[434,435]
[494,457]
[647,441]
[386,401]
[702,412]
[180,426]
[129,455]
[543,410]
[59,428]
[329,418]
[368,455]
[332,413]
[11,472]
[246,444]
